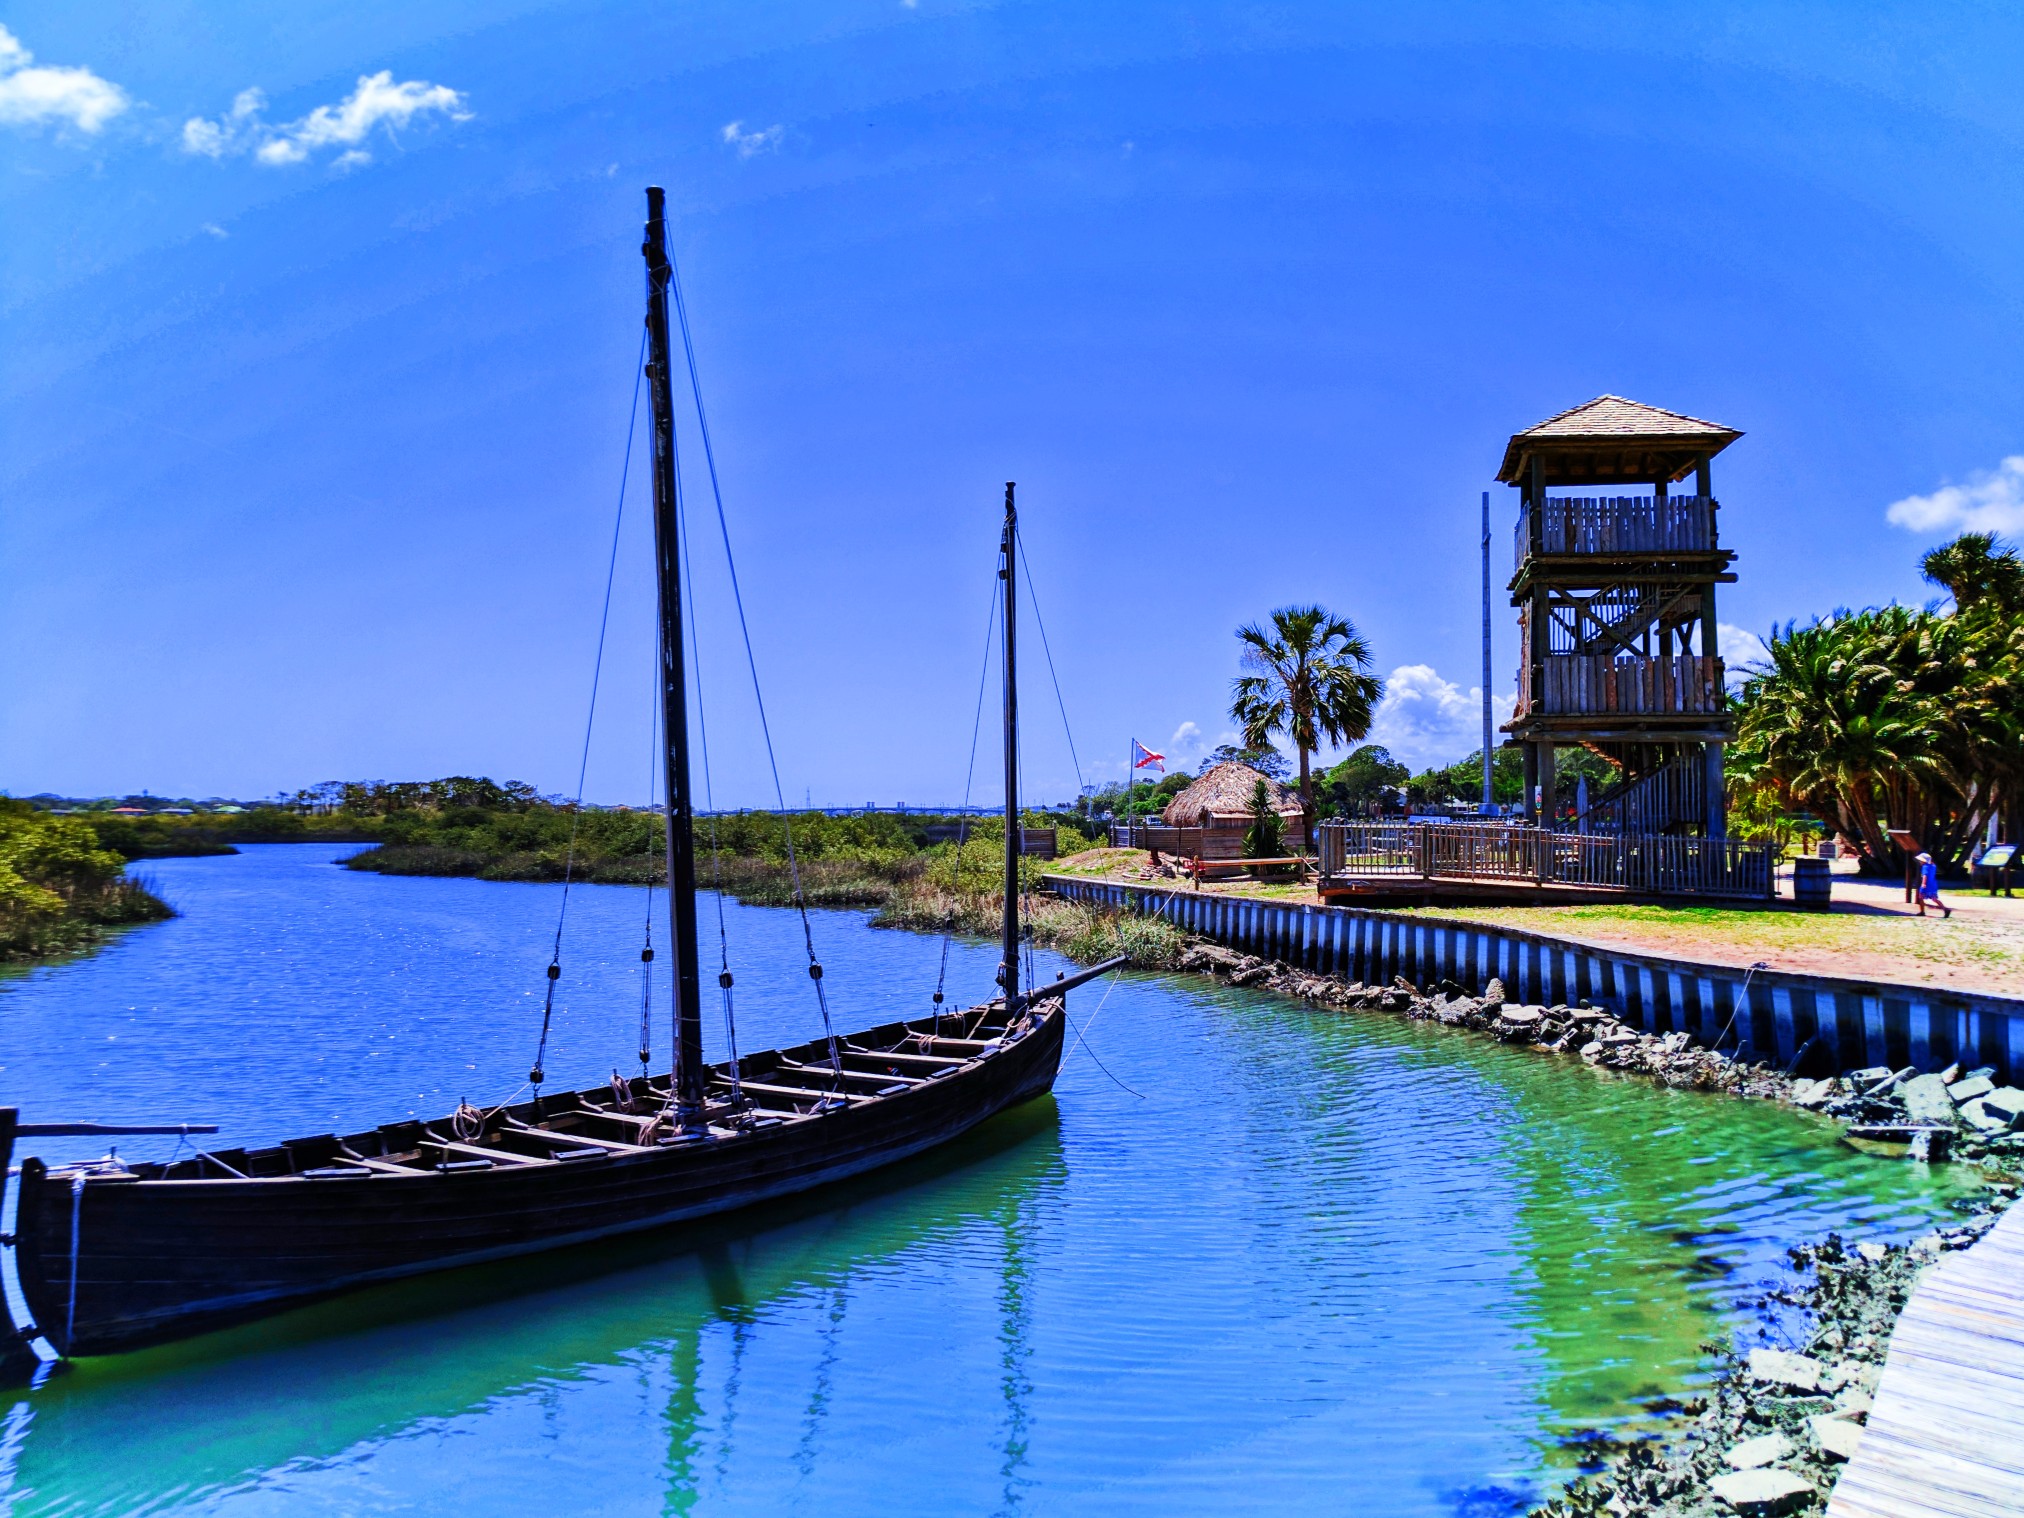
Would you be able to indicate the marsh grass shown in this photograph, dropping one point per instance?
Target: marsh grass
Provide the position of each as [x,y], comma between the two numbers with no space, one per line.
[89,913]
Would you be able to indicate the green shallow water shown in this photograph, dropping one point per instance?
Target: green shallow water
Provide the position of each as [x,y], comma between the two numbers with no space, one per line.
[1308,1262]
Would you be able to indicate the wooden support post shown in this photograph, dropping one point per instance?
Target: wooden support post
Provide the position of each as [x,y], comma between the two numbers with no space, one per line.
[1531,781]
[1718,806]
[1704,478]
[18,1363]
[1548,811]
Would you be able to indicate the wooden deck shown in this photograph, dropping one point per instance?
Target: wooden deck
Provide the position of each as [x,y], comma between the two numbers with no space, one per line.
[1946,1437]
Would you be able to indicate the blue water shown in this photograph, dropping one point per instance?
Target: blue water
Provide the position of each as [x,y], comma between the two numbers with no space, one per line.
[1308,1262]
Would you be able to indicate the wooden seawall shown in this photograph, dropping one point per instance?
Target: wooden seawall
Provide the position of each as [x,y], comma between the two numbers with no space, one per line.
[1946,1436]
[1850,1023]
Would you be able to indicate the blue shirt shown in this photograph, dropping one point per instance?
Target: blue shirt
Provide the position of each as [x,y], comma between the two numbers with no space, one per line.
[1929,878]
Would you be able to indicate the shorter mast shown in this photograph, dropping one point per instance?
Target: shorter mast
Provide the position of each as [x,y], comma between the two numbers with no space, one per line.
[688,1081]
[1008,971]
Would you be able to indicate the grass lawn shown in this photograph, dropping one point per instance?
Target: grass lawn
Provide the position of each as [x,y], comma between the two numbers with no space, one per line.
[1978,952]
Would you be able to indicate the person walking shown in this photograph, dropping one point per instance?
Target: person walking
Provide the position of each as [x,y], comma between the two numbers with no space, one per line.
[1929,886]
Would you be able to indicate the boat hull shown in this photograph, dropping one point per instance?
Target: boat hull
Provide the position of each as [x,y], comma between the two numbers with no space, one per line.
[109,1265]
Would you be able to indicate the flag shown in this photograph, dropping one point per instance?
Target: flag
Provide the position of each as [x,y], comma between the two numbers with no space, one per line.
[1143,757]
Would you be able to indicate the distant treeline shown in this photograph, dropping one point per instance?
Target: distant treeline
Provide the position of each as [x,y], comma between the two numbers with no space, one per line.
[59,889]
[856,858]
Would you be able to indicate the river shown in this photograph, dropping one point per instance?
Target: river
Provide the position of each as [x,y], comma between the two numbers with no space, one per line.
[1265,1258]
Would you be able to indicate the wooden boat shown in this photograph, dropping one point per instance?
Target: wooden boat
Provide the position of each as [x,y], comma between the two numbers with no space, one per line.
[114,1257]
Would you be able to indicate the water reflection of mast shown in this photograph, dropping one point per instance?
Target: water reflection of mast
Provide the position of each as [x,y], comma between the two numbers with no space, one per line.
[730,1302]
[816,1413]
[684,1417]
[1015,1348]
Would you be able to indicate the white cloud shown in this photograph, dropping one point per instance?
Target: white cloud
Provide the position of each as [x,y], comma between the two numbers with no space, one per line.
[1186,736]
[750,143]
[1738,646]
[36,96]
[1991,501]
[1425,720]
[377,104]
[215,230]
[230,133]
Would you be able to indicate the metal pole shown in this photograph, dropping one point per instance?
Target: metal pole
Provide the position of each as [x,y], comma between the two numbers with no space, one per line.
[1489,794]
[681,836]
[1008,972]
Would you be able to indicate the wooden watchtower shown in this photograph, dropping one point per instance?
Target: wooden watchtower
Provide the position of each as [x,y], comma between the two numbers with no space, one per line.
[1616,612]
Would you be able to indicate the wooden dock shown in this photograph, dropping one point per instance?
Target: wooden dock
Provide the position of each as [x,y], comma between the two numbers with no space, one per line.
[1946,1437]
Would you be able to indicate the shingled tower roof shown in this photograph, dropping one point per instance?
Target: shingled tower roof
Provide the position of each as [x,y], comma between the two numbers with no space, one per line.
[1610,440]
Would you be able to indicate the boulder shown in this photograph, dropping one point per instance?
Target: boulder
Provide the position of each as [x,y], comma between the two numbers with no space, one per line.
[1868,1079]
[1767,1449]
[1977,1113]
[2005,1102]
[1813,1094]
[1782,1368]
[1873,1252]
[1926,1100]
[1860,1373]
[1967,1090]
[1761,1493]
[1837,1437]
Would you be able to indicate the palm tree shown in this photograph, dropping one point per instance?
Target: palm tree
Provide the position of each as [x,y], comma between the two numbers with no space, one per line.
[1979,571]
[1309,679]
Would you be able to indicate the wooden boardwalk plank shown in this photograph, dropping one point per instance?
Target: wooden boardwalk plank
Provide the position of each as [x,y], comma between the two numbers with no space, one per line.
[1946,1437]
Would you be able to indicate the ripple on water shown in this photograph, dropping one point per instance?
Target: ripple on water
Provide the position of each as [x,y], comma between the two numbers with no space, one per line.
[1320,1262]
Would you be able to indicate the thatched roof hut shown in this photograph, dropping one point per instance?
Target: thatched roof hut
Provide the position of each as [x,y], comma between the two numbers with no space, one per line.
[1223,793]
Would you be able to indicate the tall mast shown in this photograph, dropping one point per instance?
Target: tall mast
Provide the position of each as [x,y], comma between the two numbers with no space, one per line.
[1008,972]
[681,829]
[1489,772]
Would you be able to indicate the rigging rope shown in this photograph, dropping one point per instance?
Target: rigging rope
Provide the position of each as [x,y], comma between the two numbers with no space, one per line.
[537,1073]
[963,820]
[647,946]
[752,664]
[1033,599]
[724,978]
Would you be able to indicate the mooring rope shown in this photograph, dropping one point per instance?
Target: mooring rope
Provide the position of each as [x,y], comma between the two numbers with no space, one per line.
[537,1073]
[1736,1007]
[1080,1044]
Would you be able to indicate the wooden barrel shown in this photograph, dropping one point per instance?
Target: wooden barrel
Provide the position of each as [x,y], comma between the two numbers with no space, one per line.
[1812,884]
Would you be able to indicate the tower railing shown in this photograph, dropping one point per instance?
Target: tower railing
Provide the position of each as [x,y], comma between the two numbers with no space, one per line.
[1572,525]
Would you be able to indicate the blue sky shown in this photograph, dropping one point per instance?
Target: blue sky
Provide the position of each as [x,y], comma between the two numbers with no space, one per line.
[312,415]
